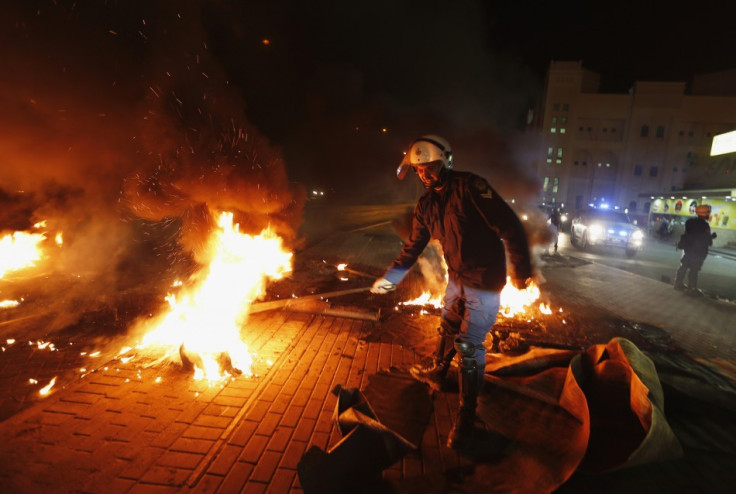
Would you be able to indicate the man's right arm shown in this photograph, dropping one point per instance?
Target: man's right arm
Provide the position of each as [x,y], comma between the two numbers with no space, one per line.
[418,240]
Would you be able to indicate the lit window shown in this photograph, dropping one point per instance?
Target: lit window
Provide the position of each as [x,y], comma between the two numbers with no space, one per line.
[555,184]
[558,161]
[562,130]
[559,152]
[550,150]
[553,130]
[563,120]
[608,165]
[554,120]
[546,184]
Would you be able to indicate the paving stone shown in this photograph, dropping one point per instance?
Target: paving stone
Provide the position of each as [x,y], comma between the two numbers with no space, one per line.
[281,481]
[192,412]
[291,416]
[236,478]
[229,401]
[198,446]
[212,421]
[268,424]
[153,489]
[201,432]
[266,467]
[243,432]
[207,484]
[279,439]
[167,476]
[180,460]
[141,463]
[304,430]
[170,434]
[253,487]
[224,460]
[252,451]
[293,454]
[258,410]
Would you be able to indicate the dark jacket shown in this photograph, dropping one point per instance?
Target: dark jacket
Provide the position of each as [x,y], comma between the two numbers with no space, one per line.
[697,238]
[472,223]
[555,218]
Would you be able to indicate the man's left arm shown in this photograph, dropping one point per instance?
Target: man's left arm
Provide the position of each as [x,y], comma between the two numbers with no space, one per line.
[500,218]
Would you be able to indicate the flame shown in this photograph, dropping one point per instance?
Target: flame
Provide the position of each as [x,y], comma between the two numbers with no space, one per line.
[206,318]
[19,250]
[342,266]
[5,304]
[513,301]
[46,389]
[425,299]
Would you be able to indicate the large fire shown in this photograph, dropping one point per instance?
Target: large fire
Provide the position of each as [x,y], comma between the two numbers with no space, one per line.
[204,320]
[20,250]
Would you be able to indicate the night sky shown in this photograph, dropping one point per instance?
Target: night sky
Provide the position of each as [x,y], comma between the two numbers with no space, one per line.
[337,89]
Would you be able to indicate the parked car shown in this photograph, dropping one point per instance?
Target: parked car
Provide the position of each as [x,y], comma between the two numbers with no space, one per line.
[606,227]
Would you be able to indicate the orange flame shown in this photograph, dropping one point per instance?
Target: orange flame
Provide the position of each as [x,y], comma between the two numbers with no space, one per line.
[513,300]
[46,389]
[425,299]
[206,318]
[19,250]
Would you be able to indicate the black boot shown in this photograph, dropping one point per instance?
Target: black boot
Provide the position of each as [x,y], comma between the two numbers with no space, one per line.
[434,373]
[470,380]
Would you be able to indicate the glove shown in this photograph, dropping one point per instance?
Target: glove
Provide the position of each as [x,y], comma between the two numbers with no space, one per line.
[521,283]
[382,286]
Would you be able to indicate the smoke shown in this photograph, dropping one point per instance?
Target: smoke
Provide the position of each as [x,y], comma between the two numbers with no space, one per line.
[121,130]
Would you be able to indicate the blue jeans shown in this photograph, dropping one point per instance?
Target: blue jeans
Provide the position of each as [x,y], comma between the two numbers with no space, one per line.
[470,313]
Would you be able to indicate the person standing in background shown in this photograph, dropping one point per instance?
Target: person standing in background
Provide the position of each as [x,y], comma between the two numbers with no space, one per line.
[694,244]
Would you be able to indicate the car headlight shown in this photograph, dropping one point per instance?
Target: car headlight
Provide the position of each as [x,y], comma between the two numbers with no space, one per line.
[637,236]
[595,231]
[563,218]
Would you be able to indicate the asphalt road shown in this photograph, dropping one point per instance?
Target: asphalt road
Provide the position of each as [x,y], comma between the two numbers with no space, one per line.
[659,261]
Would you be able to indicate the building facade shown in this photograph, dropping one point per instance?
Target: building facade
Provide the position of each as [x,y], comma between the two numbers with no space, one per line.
[628,150]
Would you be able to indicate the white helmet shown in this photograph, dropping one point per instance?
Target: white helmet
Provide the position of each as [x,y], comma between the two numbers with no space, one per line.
[426,149]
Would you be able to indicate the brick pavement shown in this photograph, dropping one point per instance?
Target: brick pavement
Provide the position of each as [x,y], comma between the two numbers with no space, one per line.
[119,430]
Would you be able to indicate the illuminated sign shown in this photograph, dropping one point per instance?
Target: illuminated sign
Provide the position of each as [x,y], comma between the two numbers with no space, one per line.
[723,143]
